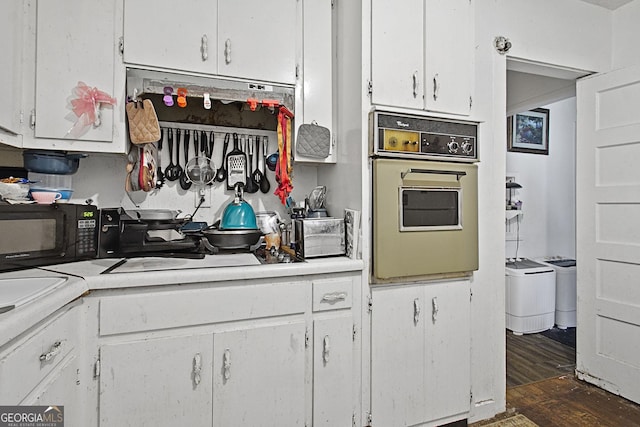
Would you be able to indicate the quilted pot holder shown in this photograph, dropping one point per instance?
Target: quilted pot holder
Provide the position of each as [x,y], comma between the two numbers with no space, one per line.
[143,122]
[313,141]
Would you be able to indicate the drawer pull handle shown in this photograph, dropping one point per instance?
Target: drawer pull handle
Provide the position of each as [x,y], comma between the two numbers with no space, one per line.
[326,347]
[197,368]
[53,352]
[226,363]
[416,311]
[335,296]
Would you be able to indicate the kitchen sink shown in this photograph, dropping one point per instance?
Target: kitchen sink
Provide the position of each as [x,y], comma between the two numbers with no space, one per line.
[15,292]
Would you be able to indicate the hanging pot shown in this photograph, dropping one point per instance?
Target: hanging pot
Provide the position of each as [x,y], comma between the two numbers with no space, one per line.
[238,215]
[51,162]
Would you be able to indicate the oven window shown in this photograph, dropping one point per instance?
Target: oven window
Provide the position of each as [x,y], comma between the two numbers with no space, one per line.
[27,235]
[430,209]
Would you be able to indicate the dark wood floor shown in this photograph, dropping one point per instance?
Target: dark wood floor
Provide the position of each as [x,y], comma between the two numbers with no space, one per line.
[542,386]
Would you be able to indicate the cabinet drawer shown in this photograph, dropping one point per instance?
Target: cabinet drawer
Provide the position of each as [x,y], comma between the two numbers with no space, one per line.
[190,307]
[25,365]
[332,294]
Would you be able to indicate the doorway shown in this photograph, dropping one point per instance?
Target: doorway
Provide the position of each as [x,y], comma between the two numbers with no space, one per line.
[544,225]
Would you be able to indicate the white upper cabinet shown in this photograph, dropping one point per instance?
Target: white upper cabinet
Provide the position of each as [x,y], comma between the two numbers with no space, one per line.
[397,54]
[163,33]
[250,39]
[317,99]
[11,71]
[422,54]
[449,59]
[75,42]
[257,39]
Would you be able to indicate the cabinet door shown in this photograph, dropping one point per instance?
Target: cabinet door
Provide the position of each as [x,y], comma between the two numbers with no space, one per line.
[62,387]
[332,371]
[397,356]
[257,39]
[317,72]
[259,376]
[448,349]
[448,66]
[11,23]
[160,382]
[397,57]
[75,43]
[163,33]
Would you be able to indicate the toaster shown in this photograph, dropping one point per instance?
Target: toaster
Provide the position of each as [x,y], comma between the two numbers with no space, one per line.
[318,237]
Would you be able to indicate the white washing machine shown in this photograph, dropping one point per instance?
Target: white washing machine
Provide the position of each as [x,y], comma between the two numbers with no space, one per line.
[530,296]
[565,290]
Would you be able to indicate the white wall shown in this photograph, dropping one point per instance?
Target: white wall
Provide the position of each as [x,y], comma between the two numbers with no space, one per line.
[547,226]
[626,35]
[572,34]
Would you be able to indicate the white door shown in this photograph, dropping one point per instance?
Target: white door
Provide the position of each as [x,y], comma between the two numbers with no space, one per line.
[159,382]
[397,47]
[72,49]
[257,39]
[259,376]
[333,371]
[398,355]
[608,231]
[163,33]
[11,71]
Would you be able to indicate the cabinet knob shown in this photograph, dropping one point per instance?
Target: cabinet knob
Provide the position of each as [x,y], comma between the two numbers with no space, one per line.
[197,368]
[434,309]
[436,87]
[416,84]
[227,51]
[204,47]
[416,311]
[325,349]
[226,364]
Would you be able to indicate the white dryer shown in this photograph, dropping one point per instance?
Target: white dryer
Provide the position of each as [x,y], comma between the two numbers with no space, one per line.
[565,290]
[530,296]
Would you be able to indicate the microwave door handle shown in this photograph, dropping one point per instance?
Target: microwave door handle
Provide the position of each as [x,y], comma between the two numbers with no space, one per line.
[458,174]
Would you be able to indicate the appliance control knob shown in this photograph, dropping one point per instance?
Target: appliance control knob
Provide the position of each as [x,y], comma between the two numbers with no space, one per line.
[453,146]
[467,147]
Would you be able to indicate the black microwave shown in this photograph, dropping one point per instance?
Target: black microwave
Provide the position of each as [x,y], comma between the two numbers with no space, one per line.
[33,235]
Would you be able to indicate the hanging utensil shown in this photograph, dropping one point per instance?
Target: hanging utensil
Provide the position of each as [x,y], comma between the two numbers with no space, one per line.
[265,186]
[221,174]
[211,171]
[173,171]
[208,173]
[252,186]
[236,165]
[160,174]
[194,174]
[185,183]
[257,176]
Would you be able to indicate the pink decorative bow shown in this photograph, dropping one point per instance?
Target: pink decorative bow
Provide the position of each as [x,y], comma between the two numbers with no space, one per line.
[85,106]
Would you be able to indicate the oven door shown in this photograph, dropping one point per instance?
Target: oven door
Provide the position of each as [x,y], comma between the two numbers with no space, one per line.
[425,219]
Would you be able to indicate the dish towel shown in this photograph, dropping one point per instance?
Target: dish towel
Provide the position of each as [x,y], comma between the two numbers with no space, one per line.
[283,167]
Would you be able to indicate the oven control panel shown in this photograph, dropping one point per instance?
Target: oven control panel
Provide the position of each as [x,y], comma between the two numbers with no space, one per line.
[396,135]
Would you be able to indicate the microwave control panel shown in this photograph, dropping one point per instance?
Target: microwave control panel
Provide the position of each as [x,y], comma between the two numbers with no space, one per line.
[406,136]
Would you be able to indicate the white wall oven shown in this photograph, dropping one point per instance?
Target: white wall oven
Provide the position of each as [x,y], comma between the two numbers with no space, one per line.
[425,197]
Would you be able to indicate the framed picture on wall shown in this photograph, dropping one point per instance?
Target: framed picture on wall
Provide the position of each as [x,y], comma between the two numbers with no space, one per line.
[528,132]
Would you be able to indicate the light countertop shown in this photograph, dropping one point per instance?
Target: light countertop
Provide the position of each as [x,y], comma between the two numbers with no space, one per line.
[86,276]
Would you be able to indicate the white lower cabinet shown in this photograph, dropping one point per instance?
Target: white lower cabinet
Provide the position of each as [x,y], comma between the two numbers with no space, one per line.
[259,376]
[333,371]
[161,382]
[251,353]
[420,357]
[43,367]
